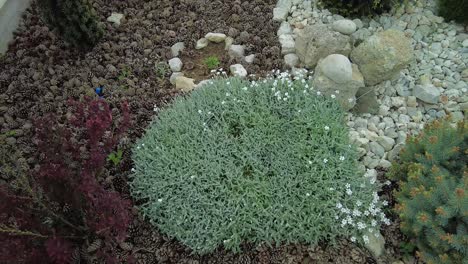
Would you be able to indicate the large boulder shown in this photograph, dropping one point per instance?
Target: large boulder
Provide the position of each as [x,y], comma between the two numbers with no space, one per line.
[336,76]
[383,55]
[318,41]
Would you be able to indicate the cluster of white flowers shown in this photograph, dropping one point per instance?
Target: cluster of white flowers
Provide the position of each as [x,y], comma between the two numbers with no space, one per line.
[360,217]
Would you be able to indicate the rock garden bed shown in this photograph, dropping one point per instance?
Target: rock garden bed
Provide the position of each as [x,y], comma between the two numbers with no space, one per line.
[394,73]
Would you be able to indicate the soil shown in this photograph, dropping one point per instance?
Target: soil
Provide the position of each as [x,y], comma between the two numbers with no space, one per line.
[194,61]
[39,73]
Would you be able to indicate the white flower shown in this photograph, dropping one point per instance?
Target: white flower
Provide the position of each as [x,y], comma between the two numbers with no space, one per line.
[327,128]
[388,183]
[133,170]
[325,160]
[342,158]
[228,83]
[192,177]
[348,186]
[245,88]
[200,111]
[349,192]
[307,194]
[366,213]
[339,205]
[358,203]
[228,94]
[285,99]
[160,200]
[386,221]
[223,102]
[337,92]
[366,239]
[373,223]
[350,100]
[331,189]
[385,203]
[356,212]
[353,239]
[361,225]
[344,222]
[138,147]
[319,93]
[209,112]
[310,162]
[333,96]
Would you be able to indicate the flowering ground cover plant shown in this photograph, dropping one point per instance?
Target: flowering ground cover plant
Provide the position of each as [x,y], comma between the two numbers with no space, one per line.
[262,162]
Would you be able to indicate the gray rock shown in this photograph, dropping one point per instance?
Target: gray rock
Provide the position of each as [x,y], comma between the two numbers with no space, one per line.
[287,44]
[174,76]
[238,70]
[345,90]
[184,84]
[228,43]
[386,142]
[175,64]
[280,14]
[291,60]
[318,41]
[337,68]
[395,152]
[284,29]
[250,58]
[177,48]
[377,149]
[344,26]
[236,51]
[427,93]
[201,43]
[215,37]
[465,43]
[376,243]
[115,18]
[383,55]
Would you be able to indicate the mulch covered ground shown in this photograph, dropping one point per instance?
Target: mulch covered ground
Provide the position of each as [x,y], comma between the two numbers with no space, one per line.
[40,73]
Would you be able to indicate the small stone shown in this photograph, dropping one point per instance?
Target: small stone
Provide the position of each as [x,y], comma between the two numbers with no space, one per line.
[236,51]
[177,48]
[203,83]
[238,70]
[174,76]
[280,14]
[287,44]
[184,84]
[371,175]
[284,29]
[291,60]
[215,37]
[385,164]
[427,93]
[386,142]
[228,43]
[115,18]
[175,64]
[377,149]
[344,26]
[376,243]
[250,58]
[465,43]
[411,101]
[201,43]
[337,67]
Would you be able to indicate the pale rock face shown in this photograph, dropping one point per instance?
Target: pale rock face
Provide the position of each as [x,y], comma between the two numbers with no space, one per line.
[250,58]
[215,37]
[115,18]
[287,44]
[174,76]
[184,84]
[427,93]
[177,48]
[175,64]
[383,55]
[344,83]
[291,60]
[318,41]
[236,51]
[238,70]
[344,26]
[201,43]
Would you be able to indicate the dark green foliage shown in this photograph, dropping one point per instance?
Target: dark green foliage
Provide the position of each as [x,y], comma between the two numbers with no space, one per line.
[454,10]
[358,7]
[74,20]
[432,200]
[211,62]
[267,162]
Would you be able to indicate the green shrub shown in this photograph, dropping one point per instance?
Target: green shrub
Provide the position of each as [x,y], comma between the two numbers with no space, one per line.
[264,162]
[454,10]
[75,21]
[358,7]
[432,200]
[211,62]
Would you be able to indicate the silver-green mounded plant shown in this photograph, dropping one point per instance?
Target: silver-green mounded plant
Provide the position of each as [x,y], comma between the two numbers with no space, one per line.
[262,162]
